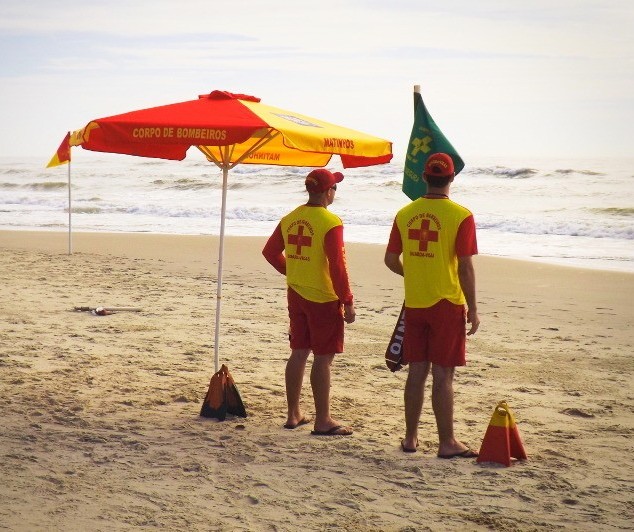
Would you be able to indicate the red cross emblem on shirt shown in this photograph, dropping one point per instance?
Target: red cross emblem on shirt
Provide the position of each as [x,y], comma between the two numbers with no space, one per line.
[423,235]
[300,240]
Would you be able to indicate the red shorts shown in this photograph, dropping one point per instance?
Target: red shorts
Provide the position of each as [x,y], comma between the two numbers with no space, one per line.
[315,326]
[436,334]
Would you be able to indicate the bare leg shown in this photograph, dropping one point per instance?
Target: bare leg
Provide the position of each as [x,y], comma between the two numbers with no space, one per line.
[320,382]
[442,403]
[294,379]
[414,393]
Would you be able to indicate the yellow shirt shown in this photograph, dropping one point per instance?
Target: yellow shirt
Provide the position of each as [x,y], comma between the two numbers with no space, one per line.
[428,229]
[307,271]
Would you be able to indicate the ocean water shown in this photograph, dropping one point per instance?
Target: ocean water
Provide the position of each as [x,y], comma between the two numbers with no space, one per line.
[571,212]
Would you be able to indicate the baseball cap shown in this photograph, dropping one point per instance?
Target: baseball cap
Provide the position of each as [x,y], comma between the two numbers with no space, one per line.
[439,164]
[320,180]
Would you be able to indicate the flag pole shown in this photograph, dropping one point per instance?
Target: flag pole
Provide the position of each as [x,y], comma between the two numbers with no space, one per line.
[70,238]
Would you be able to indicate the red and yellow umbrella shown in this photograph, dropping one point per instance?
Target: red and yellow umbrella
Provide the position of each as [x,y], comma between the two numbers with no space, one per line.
[231,129]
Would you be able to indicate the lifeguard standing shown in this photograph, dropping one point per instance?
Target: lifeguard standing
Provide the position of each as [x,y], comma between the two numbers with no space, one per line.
[436,238]
[307,247]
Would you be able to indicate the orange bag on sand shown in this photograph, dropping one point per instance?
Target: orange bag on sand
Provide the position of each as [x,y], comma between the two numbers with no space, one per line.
[502,440]
[222,397]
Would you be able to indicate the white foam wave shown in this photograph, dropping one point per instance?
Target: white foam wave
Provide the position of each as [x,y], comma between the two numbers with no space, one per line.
[501,171]
[614,229]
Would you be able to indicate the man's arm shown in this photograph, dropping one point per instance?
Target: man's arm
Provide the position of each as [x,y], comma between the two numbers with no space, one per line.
[274,250]
[393,262]
[466,275]
[336,253]
[393,252]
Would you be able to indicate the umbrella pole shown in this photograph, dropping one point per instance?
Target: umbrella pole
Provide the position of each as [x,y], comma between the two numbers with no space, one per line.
[225,173]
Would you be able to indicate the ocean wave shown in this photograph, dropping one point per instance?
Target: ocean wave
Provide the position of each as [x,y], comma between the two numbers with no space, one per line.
[614,211]
[9,185]
[367,218]
[48,185]
[85,210]
[187,184]
[215,184]
[162,211]
[198,164]
[568,171]
[31,203]
[236,213]
[17,224]
[240,186]
[503,172]
[622,231]
[152,162]
[13,171]
[273,171]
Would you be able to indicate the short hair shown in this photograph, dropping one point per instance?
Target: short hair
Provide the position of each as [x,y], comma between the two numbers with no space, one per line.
[437,181]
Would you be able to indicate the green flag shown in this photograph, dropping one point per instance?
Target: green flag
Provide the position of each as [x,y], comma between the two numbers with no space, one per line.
[425,139]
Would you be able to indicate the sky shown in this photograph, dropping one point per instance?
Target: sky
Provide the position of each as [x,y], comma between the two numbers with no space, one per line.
[501,78]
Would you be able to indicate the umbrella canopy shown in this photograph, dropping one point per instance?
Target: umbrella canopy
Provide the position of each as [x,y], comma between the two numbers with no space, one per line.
[230,129]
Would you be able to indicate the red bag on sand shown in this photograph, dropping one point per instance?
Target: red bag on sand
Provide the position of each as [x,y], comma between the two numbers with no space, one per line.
[222,397]
[394,351]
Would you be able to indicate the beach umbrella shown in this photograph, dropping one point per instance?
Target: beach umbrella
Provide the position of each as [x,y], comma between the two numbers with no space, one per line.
[231,129]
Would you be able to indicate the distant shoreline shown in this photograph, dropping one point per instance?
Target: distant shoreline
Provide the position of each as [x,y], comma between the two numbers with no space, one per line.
[61,244]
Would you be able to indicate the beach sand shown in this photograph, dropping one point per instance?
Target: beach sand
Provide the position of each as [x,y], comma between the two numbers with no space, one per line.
[100,426]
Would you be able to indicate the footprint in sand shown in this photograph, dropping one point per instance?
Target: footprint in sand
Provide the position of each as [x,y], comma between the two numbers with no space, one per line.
[576,412]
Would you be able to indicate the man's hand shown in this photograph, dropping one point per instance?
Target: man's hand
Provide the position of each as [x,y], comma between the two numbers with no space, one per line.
[348,313]
[474,320]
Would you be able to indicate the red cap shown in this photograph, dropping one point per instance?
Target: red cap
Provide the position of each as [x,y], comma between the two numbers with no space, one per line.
[439,164]
[320,180]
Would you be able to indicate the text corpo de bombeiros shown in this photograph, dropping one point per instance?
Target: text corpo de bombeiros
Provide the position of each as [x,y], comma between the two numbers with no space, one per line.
[178,133]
